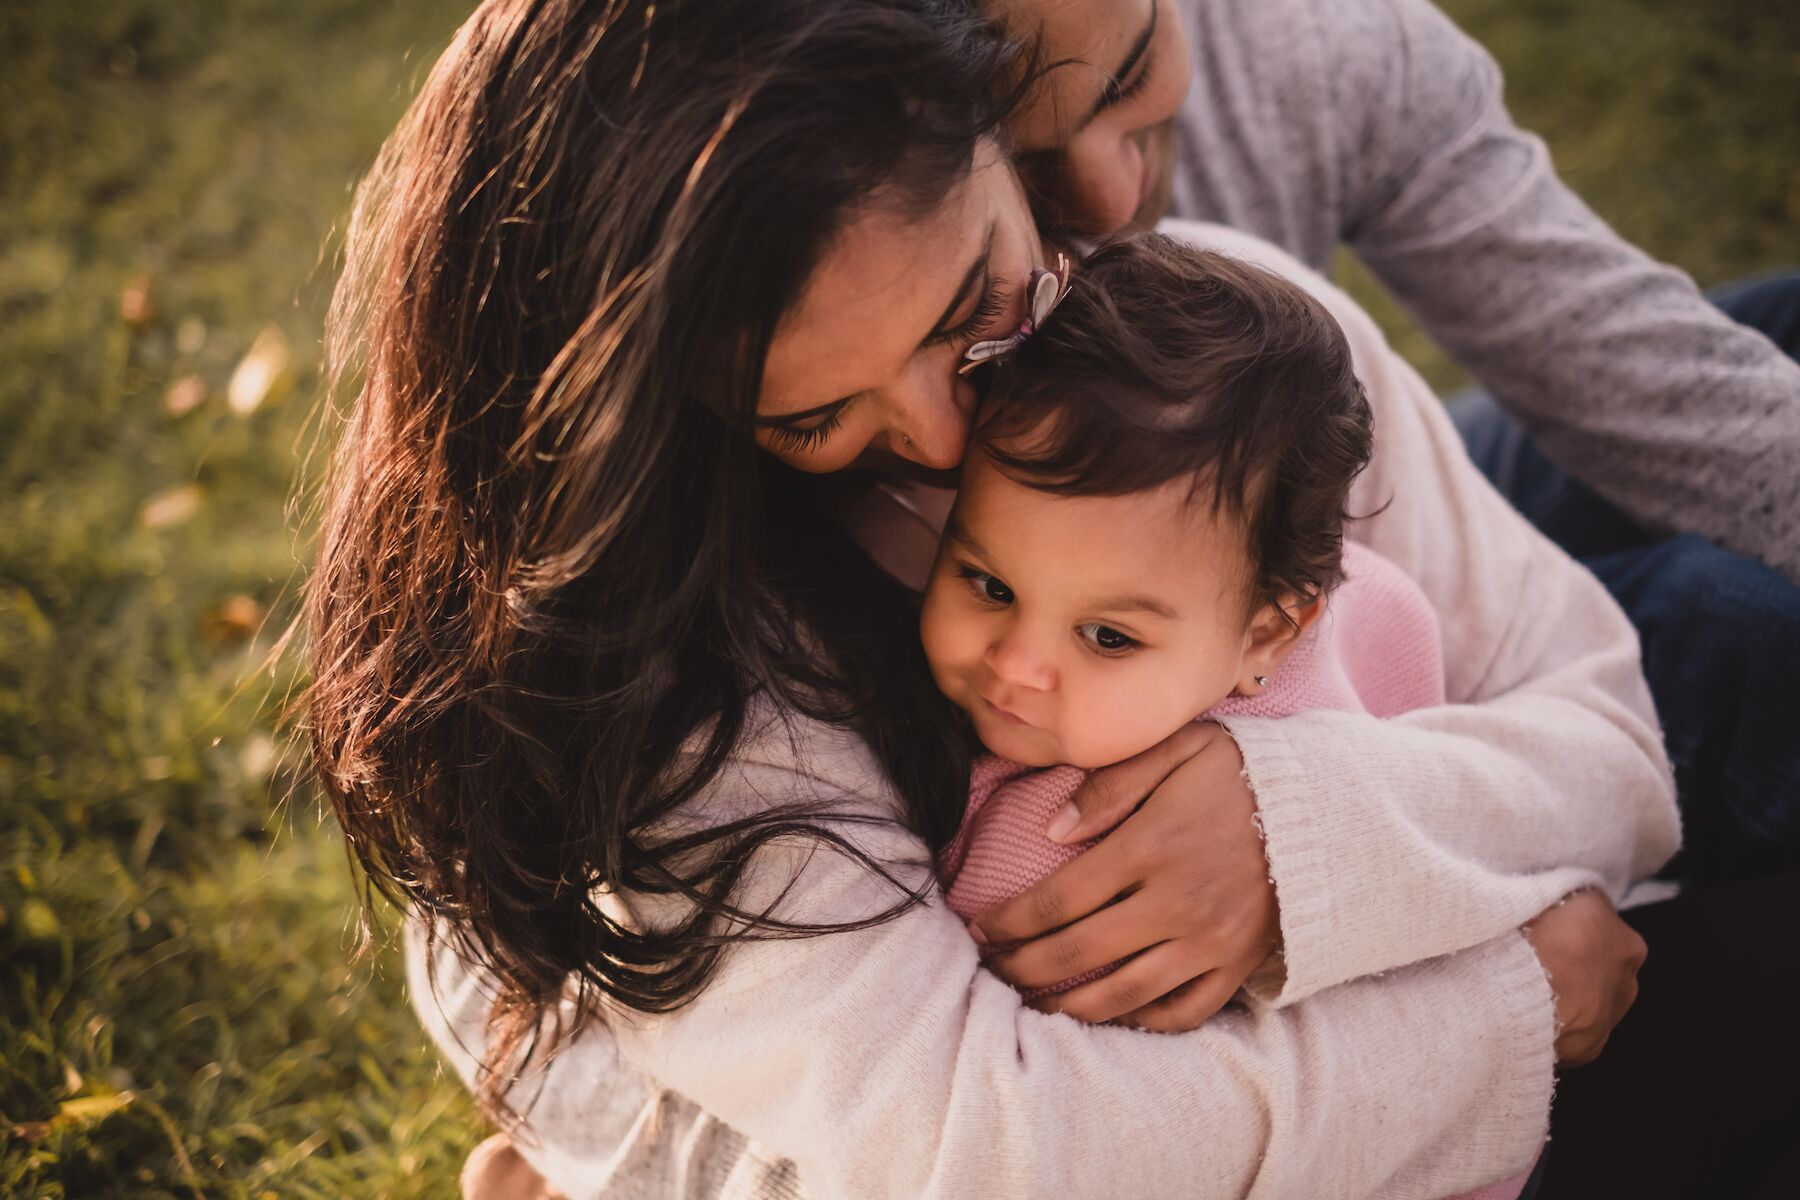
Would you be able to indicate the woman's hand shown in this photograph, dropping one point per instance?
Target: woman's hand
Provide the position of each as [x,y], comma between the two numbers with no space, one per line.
[1182,889]
[1592,958]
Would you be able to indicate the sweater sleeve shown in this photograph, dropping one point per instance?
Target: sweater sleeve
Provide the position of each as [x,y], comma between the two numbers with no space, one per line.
[1624,373]
[590,1123]
[1394,840]
[885,1061]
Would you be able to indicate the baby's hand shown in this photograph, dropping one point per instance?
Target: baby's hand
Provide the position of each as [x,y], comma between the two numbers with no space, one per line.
[1182,888]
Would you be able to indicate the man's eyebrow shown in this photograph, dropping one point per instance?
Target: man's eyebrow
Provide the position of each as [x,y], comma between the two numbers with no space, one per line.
[1115,85]
[1134,604]
[977,271]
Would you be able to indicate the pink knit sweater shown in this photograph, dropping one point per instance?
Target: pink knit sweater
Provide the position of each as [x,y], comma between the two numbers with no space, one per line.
[1376,650]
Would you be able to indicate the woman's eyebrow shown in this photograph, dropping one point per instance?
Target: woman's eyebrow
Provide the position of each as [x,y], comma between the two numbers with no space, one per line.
[1115,86]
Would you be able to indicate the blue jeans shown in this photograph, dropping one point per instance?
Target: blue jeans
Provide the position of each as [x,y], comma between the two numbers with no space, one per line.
[1721,633]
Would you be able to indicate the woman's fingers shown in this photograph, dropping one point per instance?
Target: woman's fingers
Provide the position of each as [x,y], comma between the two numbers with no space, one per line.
[1140,982]
[1591,957]
[1111,794]
[1116,931]
[1189,1006]
[1071,892]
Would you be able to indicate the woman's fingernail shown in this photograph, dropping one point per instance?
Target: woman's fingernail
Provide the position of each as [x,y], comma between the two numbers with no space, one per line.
[1064,822]
[975,932]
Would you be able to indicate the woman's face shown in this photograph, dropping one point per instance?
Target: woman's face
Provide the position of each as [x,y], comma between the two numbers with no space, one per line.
[1095,139]
[863,370]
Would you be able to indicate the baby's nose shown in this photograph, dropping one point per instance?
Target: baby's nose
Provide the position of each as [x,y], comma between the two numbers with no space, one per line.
[1015,660]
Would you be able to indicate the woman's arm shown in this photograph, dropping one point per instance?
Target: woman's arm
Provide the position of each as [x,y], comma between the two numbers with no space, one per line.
[1391,841]
[1388,841]
[886,1062]
[1622,370]
[590,1123]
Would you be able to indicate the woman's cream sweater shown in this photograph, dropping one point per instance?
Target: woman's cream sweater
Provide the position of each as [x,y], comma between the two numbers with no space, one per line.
[1405,1050]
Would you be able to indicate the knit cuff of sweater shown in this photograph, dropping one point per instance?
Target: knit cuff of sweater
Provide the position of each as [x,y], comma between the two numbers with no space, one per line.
[1366,878]
[1505,1117]
[1296,835]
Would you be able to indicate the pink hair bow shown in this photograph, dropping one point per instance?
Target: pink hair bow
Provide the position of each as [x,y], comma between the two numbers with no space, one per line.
[1047,288]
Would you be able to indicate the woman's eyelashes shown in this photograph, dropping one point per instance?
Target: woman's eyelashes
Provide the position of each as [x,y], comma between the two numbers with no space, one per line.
[994,301]
[800,438]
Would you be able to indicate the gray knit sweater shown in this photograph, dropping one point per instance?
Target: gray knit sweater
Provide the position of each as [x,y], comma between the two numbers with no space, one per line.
[1379,124]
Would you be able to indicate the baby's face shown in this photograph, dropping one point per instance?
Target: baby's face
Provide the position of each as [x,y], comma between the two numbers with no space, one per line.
[1084,629]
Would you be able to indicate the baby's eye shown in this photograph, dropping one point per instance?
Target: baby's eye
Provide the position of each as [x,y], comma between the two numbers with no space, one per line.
[985,586]
[1106,639]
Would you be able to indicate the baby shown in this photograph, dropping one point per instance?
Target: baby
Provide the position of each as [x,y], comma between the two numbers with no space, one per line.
[1149,532]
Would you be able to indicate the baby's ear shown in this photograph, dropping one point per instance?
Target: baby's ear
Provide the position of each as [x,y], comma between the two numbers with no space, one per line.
[1273,632]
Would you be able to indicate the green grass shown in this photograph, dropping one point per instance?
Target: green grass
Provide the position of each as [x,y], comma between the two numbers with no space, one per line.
[178,1015]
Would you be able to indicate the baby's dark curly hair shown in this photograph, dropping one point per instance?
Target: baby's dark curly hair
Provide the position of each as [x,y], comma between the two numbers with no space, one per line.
[1165,361]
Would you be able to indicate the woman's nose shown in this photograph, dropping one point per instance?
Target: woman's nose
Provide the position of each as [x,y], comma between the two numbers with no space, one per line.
[1103,174]
[1016,658]
[931,419]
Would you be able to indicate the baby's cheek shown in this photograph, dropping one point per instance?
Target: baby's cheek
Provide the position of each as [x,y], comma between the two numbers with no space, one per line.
[1102,724]
[1127,717]
[947,638]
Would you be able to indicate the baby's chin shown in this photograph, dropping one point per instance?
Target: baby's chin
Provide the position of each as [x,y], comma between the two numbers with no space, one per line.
[1024,744]
[1030,746]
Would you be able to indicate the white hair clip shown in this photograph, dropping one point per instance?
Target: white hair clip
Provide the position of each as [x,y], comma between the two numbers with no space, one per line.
[1047,288]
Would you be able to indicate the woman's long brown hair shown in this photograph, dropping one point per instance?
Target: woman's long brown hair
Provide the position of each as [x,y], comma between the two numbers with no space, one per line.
[554,570]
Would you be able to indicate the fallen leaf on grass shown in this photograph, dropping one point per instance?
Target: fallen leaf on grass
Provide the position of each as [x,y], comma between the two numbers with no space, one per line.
[83,1110]
[38,922]
[233,619]
[171,507]
[184,395]
[258,372]
[190,335]
[135,304]
[92,1108]
[260,757]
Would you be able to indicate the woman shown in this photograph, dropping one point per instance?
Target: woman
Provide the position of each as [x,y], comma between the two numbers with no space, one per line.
[594,680]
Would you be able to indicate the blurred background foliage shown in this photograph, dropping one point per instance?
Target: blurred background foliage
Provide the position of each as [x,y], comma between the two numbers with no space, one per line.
[179,1013]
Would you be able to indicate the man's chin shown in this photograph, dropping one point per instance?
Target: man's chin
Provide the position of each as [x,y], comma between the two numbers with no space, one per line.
[1159,151]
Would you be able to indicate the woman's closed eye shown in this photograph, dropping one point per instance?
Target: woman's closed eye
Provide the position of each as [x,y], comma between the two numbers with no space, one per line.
[806,437]
[976,326]
[987,588]
[1105,640]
